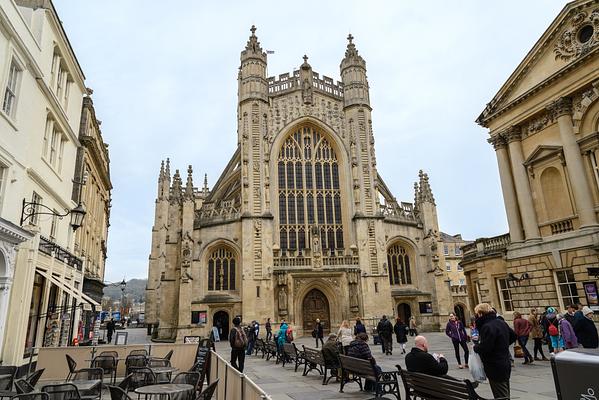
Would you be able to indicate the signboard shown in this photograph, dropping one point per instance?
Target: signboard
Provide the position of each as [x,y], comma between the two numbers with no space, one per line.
[116,315]
[590,291]
[203,317]
[191,339]
[215,334]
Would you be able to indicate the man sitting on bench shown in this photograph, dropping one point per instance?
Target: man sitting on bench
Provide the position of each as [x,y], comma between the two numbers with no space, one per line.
[420,360]
[359,348]
[330,351]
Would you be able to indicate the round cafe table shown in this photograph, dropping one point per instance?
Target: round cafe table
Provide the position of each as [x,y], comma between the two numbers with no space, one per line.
[172,390]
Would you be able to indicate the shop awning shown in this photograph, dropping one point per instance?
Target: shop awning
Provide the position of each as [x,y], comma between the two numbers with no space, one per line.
[70,290]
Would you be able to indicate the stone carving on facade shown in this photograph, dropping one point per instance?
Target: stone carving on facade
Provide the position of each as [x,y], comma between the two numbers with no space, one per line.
[581,102]
[561,106]
[9,252]
[538,123]
[282,301]
[512,134]
[579,37]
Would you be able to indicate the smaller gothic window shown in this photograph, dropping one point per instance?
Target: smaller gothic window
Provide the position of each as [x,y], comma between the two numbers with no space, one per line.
[221,270]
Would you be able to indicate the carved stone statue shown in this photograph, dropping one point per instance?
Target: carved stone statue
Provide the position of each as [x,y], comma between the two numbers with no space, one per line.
[306,91]
[282,299]
[353,296]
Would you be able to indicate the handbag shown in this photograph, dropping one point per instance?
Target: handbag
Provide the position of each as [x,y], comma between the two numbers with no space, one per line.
[475,364]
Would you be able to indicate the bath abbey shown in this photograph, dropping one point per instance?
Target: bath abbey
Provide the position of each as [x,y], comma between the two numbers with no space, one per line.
[299,225]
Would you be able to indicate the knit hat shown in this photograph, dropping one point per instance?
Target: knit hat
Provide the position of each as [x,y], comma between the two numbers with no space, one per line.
[551,310]
[586,310]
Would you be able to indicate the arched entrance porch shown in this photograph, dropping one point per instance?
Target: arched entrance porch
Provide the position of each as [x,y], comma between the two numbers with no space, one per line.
[458,310]
[220,320]
[315,306]
[404,311]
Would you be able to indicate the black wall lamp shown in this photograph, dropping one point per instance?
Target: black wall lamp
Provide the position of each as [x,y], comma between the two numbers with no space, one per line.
[517,281]
[31,209]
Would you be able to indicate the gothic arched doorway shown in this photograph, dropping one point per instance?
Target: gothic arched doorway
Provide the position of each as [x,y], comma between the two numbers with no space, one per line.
[315,306]
[221,322]
[404,312]
[458,310]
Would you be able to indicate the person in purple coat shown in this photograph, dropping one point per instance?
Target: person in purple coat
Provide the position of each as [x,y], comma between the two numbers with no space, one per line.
[567,332]
[456,331]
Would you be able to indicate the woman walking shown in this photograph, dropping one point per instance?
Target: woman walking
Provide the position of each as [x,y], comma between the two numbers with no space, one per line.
[401,331]
[413,326]
[359,327]
[456,331]
[522,327]
[536,334]
[344,335]
[567,332]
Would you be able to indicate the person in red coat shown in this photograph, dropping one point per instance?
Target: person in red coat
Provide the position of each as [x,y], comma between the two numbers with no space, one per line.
[522,327]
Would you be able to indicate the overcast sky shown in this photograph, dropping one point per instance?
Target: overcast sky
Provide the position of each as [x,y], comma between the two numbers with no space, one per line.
[164,75]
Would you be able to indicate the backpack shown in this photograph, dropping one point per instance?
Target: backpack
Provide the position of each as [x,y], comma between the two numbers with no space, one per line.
[553,331]
[240,340]
[289,335]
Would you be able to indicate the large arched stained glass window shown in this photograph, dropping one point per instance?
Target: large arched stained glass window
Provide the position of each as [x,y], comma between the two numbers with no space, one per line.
[309,193]
[399,266]
[221,270]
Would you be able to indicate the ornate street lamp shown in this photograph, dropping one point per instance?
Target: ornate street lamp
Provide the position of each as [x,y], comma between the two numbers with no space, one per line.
[31,209]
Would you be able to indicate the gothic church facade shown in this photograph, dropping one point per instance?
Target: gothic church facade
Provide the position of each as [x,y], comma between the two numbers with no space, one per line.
[300,225]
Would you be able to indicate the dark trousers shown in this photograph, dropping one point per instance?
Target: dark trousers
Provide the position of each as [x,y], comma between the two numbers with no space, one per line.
[321,342]
[250,347]
[238,358]
[109,336]
[456,348]
[538,347]
[268,335]
[387,344]
[500,388]
[523,340]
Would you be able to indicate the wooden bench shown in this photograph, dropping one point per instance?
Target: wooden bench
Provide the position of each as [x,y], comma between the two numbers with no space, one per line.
[429,387]
[355,369]
[292,354]
[259,347]
[314,360]
[271,350]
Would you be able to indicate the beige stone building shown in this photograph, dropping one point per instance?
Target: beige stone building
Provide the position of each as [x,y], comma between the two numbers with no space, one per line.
[92,187]
[543,125]
[300,225]
[452,251]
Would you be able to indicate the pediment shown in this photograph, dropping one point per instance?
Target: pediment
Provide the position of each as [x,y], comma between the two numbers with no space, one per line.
[542,153]
[571,39]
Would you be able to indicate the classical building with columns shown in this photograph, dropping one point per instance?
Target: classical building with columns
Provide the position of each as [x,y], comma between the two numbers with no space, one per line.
[543,124]
[300,225]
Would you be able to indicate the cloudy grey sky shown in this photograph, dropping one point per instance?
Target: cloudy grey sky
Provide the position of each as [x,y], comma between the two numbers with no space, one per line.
[164,78]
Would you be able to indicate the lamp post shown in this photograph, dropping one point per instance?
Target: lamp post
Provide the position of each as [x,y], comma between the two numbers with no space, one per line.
[123,286]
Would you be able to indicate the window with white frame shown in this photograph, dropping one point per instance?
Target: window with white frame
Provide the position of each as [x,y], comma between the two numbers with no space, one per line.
[593,158]
[54,226]
[53,145]
[9,104]
[458,250]
[505,295]
[460,268]
[446,250]
[567,286]
[462,281]
[36,199]
[447,266]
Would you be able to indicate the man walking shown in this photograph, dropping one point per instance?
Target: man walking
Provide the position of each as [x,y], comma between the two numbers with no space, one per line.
[110,326]
[319,333]
[385,331]
[238,340]
[495,338]
[268,329]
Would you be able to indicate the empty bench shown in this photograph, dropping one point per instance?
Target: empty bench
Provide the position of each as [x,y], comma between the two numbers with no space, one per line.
[428,387]
[292,354]
[355,369]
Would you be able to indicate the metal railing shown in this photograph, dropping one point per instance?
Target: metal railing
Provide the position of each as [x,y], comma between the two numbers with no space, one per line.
[233,384]
[50,248]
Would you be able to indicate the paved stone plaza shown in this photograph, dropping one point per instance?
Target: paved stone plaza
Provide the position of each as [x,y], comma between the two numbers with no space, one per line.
[530,382]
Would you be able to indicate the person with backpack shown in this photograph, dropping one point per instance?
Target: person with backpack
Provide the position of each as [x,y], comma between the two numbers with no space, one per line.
[238,341]
[522,327]
[552,330]
[281,336]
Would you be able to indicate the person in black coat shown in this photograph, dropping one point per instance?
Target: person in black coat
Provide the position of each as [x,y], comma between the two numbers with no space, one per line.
[420,360]
[385,331]
[586,331]
[318,333]
[495,338]
[401,330]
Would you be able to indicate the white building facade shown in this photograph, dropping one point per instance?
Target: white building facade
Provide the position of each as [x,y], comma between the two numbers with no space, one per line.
[42,91]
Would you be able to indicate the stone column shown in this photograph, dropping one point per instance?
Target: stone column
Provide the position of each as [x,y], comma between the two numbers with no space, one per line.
[507,187]
[513,135]
[562,110]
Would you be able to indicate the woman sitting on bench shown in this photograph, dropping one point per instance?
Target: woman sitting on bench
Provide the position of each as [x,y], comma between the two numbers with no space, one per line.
[359,348]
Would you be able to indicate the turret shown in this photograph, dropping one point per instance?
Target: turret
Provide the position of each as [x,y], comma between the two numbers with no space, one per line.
[306,81]
[252,72]
[189,184]
[425,202]
[353,75]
